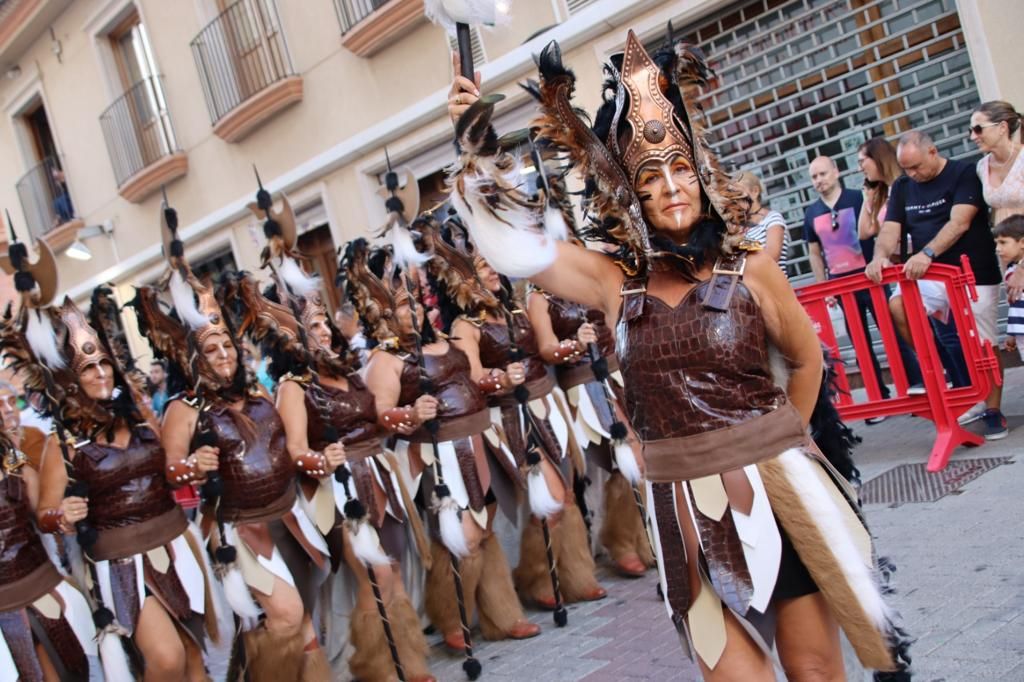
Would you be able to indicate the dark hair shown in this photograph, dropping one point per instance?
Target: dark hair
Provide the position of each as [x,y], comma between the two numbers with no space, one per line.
[1012,227]
[882,153]
[998,111]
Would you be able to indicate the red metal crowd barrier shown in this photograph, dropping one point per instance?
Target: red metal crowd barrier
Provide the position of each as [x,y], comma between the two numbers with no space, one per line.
[940,404]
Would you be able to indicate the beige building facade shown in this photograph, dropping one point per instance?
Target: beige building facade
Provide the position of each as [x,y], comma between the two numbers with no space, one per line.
[105,102]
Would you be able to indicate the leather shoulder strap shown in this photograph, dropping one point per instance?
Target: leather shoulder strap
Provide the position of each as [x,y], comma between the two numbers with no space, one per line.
[634,293]
[728,271]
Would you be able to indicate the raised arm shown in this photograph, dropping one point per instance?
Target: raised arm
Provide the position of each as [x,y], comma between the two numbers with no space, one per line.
[583,276]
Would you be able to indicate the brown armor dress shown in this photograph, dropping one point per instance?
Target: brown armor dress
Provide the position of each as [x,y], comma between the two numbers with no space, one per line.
[259,490]
[27,575]
[729,462]
[462,412]
[495,352]
[353,415]
[134,513]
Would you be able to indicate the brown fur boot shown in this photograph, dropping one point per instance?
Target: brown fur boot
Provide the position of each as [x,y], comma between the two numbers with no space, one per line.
[575,562]
[272,658]
[440,603]
[501,614]
[372,661]
[622,530]
[531,575]
[315,667]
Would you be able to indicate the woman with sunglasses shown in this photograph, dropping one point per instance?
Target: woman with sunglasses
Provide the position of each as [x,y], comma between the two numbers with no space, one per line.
[996,130]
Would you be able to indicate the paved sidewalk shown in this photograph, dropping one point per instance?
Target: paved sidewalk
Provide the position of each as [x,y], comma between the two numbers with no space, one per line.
[959,581]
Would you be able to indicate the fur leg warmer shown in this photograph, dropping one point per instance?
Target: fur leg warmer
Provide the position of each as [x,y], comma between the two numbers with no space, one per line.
[371,661]
[572,553]
[531,575]
[315,667]
[622,530]
[440,603]
[273,658]
[500,609]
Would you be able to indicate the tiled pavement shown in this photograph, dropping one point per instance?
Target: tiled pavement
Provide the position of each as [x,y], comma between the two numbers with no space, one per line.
[960,582]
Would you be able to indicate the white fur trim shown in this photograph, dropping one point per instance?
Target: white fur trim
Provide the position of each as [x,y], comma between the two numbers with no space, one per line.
[542,504]
[511,244]
[821,507]
[79,616]
[452,534]
[366,544]
[114,659]
[554,224]
[625,460]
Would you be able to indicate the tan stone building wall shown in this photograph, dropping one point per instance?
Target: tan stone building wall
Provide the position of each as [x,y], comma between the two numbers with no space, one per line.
[318,128]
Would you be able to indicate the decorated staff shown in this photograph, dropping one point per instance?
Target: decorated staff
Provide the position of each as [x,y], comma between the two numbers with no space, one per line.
[330,422]
[42,616]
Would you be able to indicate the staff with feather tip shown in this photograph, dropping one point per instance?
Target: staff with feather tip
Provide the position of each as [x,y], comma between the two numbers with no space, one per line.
[38,331]
[300,293]
[404,248]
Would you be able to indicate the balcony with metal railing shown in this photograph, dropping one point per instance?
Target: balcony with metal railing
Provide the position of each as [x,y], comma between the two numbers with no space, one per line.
[245,68]
[368,26]
[46,203]
[140,140]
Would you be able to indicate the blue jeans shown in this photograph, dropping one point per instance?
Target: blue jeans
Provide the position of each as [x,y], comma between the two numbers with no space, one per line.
[950,352]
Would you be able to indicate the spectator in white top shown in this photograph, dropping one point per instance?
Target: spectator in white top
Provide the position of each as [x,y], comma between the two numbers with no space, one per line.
[766,227]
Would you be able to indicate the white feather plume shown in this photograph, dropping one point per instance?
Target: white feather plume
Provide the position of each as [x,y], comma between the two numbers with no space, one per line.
[184,298]
[554,224]
[405,249]
[299,283]
[42,339]
[452,534]
[366,544]
[113,658]
[625,459]
[239,596]
[542,503]
[511,250]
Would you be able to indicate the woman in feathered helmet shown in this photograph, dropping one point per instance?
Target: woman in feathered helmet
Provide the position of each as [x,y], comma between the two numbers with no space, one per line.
[104,479]
[354,496]
[225,434]
[759,540]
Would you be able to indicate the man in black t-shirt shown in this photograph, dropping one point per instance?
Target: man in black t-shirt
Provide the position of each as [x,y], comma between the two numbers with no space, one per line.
[939,205]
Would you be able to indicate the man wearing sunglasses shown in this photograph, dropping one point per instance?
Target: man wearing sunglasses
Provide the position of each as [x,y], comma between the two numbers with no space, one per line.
[939,205]
[830,228]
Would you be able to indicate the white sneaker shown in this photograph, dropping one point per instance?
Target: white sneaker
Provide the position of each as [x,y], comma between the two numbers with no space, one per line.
[972,415]
[916,389]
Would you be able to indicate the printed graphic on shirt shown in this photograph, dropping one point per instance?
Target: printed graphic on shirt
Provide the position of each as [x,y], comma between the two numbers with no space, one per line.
[838,235]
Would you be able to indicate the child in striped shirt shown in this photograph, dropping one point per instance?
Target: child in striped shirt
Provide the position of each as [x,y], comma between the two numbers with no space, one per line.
[1009,236]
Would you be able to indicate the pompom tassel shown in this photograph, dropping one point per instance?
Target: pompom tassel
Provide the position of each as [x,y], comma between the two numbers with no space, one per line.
[625,459]
[295,277]
[366,544]
[542,503]
[113,657]
[452,535]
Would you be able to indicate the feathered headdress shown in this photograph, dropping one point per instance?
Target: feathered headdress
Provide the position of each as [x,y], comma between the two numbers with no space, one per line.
[179,334]
[375,296]
[453,264]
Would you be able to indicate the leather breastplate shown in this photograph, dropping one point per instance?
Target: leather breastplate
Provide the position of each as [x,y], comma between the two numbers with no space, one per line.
[126,484]
[454,388]
[256,473]
[353,413]
[494,346]
[566,319]
[692,369]
[21,550]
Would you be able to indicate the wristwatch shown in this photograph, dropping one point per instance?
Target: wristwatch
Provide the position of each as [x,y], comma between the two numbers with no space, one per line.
[929,251]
